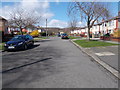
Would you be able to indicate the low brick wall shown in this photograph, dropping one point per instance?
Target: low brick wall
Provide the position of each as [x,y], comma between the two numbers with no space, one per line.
[110,38]
[115,39]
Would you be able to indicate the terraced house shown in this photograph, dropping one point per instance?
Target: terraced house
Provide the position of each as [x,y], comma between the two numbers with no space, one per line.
[100,29]
[3,25]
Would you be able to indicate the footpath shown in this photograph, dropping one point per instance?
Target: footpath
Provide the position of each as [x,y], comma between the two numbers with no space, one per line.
[106,56]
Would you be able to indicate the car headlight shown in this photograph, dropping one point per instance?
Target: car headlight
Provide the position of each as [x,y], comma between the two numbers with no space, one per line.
[20,43]
[5,44]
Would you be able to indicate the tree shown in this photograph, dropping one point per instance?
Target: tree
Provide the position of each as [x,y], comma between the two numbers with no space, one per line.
[73,23]
[21,18]
[90,12]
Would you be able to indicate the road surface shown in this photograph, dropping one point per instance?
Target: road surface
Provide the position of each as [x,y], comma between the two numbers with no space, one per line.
[54,63]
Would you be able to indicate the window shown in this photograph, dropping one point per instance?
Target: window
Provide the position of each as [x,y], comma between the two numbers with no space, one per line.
[113,22]
[109,23]
[109,31]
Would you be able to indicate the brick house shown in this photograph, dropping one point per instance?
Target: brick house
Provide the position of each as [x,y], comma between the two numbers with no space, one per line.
[3,25]
[102,28]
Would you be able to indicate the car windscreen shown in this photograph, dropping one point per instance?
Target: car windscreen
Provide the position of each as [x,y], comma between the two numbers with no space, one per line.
[64,34]
[17,38]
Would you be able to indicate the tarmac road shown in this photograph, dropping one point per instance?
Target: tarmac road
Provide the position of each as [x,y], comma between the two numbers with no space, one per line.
[54,63]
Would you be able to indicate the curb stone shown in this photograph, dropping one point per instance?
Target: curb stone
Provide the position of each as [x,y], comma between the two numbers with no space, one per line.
[105,65]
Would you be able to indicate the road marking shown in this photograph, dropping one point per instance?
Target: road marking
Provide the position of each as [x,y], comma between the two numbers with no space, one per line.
[104,54]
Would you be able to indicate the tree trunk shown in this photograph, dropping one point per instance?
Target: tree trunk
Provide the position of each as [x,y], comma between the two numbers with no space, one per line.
[21,31]
[88,33]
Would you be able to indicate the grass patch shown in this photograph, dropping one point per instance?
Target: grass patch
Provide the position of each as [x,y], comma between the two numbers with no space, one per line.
[71,37]
[40,38]
[93,43]
[2,46]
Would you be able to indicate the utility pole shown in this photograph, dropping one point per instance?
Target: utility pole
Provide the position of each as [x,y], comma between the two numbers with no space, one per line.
[46,27]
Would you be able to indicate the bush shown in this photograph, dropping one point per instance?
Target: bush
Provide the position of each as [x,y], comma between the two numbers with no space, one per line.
[34,33]
[43,34]
[116,33]
[107,35]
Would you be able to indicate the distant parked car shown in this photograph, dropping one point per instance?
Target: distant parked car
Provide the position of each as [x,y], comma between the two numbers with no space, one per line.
[64,36]
[59,35]
[19,42]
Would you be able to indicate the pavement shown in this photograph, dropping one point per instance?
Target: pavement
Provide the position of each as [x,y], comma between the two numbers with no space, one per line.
[107,56]
[54,63]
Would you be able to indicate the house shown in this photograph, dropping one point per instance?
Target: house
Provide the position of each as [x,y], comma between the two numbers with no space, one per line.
[3,25]
[100,29]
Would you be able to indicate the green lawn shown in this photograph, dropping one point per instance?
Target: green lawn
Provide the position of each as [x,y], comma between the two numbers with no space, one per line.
[2,46]
[40,38]
[71,37]
[93,43]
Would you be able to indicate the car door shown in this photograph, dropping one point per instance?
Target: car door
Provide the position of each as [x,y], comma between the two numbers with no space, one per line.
[30,39]
[27,40]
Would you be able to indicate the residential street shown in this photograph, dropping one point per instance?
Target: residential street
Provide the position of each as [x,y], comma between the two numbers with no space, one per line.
[54,63]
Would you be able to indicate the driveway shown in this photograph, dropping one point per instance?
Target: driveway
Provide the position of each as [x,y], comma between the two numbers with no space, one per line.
[54,63]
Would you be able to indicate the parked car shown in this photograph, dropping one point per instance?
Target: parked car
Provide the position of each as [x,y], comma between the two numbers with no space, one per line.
[59,35]
[64,36]
[19,42]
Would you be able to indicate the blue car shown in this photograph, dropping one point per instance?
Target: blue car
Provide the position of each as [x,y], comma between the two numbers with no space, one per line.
[64,36]
[19,42]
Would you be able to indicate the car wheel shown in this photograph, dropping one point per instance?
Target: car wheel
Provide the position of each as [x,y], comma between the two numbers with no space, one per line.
[25,47]
[33,43]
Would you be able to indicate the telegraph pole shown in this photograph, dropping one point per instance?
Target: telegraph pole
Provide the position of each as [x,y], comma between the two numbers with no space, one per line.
[46,27]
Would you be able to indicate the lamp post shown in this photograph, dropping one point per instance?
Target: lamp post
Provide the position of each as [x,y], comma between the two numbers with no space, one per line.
[46,27]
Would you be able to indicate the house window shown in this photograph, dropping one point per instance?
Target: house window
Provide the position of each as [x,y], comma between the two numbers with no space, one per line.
[109,31]
[110,23]
[105,24]
[113,22]
[95,27]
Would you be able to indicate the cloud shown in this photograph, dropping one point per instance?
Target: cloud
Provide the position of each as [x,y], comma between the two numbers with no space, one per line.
[57,23]
[81,24]
[40,8]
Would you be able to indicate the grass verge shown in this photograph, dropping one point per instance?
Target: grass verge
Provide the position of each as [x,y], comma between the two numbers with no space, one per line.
[40,38]
[71,37]
[2,46]
[93,43]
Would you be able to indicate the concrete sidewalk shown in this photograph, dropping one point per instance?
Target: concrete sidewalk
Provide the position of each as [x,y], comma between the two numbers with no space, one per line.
[106,56]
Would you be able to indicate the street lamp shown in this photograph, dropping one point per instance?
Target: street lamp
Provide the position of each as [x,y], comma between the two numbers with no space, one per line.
[46,27]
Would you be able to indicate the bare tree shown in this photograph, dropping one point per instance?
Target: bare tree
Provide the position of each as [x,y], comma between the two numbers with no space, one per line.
[90,12]
[73,23]
[21,18]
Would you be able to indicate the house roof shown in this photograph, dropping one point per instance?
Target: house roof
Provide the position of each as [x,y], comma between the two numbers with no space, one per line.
[1,18]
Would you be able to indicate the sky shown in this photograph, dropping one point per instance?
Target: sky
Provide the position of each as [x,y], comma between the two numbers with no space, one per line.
[55,12]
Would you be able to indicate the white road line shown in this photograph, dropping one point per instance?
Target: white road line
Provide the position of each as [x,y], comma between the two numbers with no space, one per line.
[104,54]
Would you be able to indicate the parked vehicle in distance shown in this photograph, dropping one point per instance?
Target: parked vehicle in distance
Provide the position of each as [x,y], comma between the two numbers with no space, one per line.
[19,42]
[64,36]
[59,35]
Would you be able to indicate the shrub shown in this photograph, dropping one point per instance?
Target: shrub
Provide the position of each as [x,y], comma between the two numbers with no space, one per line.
[43,34]
[116,33]
[107,35]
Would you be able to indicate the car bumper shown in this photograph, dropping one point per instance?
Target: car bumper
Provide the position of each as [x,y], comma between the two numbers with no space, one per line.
[18,47]
[64,37]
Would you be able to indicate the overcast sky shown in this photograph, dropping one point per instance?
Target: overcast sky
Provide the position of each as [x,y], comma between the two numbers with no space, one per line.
[55,12]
